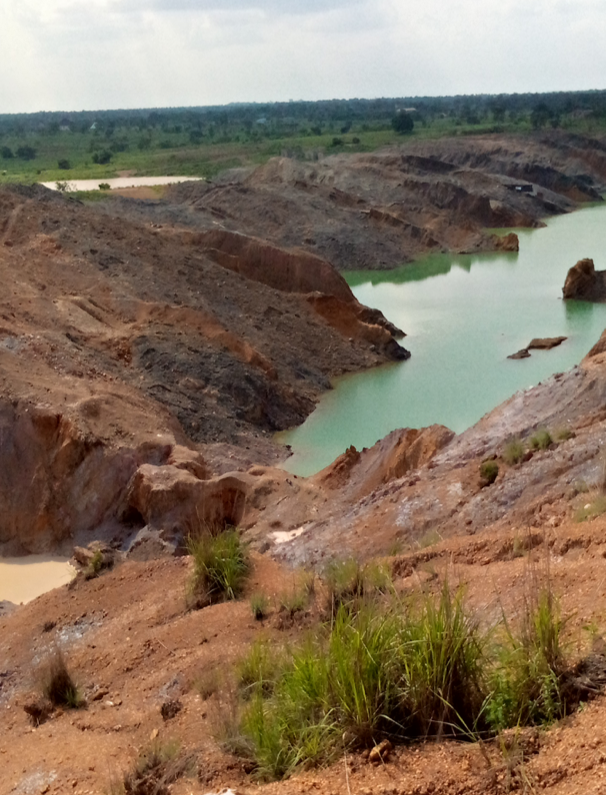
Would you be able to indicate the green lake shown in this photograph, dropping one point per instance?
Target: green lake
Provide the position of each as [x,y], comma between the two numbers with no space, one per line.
[463,315]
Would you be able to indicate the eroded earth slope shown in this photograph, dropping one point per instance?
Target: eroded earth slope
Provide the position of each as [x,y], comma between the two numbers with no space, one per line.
[148,350]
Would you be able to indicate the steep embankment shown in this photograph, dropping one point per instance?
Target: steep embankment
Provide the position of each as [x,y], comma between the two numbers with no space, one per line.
[120,341]
[417,487]
[383,209]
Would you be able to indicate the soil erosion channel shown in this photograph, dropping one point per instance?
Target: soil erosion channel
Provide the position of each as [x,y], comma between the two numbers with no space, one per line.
[463,316]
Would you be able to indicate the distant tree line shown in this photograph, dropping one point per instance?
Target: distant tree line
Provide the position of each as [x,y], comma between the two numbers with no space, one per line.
[108,132]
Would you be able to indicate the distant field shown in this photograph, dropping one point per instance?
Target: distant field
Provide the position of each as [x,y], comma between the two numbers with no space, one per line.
[174,149]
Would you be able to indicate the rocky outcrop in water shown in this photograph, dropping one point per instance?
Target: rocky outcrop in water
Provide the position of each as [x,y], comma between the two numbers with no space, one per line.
[584,283]
[538,344]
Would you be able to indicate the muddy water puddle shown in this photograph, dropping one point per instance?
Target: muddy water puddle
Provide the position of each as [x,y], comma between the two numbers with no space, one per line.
[463,316]
[119,182]
[23,579]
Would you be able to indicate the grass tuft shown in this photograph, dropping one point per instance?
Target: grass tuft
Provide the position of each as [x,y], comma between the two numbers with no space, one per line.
[221,567]
[541,440]
[155,769]
[57,683]
[350,584]
[488,472]
[526,683]
[259,606]
[513,452]
[592,509]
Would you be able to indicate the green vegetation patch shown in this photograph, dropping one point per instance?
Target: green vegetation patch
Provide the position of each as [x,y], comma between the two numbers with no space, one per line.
[541,440]
[513,451]
[488,472]
[399,670]
[221,567]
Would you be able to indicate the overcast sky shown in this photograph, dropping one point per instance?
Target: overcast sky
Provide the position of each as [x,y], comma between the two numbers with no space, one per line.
[94,54]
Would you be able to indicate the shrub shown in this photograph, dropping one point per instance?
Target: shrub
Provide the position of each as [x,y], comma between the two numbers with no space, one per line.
[541,440]
[513,452]
[488,472]
[26,153]
[103,157]
[6,153]
[96,565]
[104,186]
[57,683]
[403,123]
[221,566]
[64,164]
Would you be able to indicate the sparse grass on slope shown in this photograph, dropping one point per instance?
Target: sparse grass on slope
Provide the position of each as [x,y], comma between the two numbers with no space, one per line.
[403,671]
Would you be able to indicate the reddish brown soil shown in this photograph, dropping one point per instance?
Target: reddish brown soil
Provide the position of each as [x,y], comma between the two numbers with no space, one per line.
[132,645]
[132,347]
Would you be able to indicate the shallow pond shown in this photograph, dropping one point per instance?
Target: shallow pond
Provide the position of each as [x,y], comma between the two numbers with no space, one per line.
[120,182]
[463,316]
[23,579]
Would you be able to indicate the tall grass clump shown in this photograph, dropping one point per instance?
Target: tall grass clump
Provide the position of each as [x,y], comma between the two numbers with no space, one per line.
[442,660]
[400,670]
[370,674]
[527,679]
[221,567]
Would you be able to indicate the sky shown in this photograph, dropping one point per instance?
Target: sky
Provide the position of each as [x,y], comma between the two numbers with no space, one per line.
[101,54]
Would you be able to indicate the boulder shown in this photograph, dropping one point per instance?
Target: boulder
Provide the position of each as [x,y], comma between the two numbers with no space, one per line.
[584,283]
[523,353]
[509,242]
[545,343]
[539,344]
[175,501]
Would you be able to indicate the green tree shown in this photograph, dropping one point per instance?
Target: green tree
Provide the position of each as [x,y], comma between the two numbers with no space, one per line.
[26,153]
[402,123]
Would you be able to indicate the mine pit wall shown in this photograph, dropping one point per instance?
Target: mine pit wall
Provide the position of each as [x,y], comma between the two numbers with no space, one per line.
[57,483]
[60,486]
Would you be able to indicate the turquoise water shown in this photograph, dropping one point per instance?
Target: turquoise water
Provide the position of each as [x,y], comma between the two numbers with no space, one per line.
[463,315]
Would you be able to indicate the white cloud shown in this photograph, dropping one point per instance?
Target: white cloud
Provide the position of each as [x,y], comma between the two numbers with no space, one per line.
[73,54]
